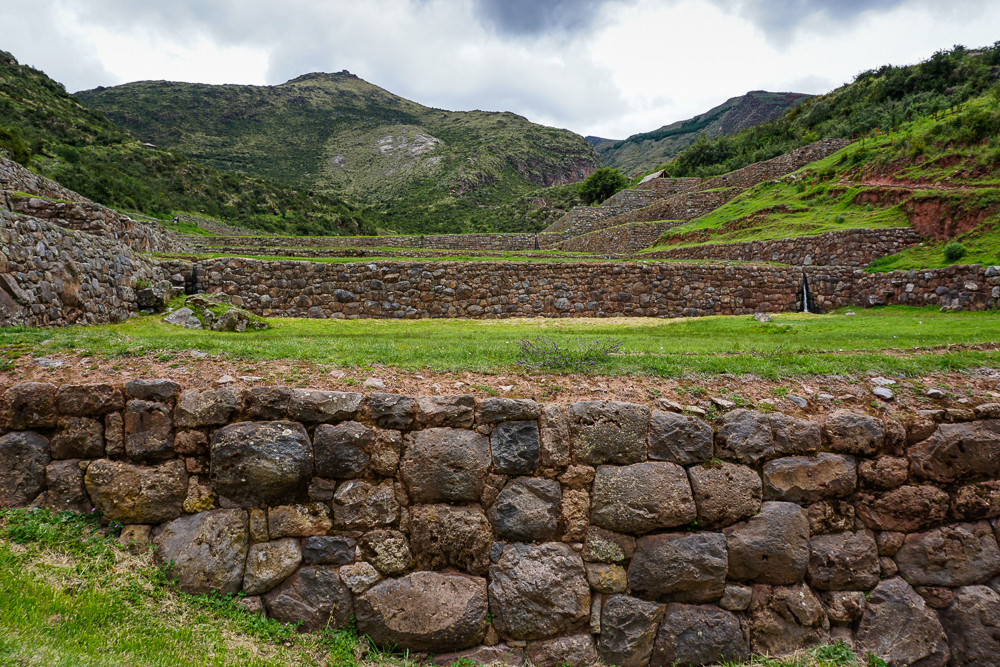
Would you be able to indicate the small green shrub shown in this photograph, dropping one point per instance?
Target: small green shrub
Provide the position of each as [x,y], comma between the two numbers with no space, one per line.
[602,184]
[544,353]
[840,219]
[954,251]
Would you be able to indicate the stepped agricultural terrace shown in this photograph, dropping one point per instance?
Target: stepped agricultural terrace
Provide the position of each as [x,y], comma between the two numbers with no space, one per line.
[68,260]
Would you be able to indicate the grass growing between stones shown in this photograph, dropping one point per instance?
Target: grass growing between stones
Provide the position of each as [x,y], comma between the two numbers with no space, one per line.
[74,597]
[894,340]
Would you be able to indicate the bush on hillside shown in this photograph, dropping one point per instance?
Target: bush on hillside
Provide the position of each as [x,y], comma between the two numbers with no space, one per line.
[15,147]
[954,251]
[601,185]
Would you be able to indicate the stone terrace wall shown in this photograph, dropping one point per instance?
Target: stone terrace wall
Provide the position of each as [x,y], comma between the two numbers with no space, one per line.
[52,276]
[472,242]
[617,240]
[850,247]
[56,204]
[527,289]
[561,534]
[751,175]
[584,219]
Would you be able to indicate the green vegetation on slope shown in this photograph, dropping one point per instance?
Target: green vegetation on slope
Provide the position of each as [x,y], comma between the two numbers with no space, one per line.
[83,151]
[641,152]
[892,340]
[427,169]
[879,99]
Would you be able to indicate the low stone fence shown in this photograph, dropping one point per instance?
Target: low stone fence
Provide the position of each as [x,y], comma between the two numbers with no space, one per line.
[287,288]
[483,242]
[850,247]
[507,530]
[622,239]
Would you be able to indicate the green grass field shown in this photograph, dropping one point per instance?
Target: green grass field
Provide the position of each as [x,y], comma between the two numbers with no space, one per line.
[899,340]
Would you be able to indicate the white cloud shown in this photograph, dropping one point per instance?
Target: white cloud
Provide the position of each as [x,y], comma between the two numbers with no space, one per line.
[606,67]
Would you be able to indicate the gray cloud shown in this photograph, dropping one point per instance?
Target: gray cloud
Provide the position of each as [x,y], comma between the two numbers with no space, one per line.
[538,17]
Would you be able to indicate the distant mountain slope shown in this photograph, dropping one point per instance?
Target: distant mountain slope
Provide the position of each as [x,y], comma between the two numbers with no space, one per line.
[83,151]
[642,152]
[427,169]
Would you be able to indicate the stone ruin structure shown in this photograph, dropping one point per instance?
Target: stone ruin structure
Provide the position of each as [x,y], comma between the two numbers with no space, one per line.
[507,530]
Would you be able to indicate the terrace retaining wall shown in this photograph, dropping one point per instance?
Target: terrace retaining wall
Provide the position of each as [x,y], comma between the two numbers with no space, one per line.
[481,242]
[850,247]
[507,530]
[530,289]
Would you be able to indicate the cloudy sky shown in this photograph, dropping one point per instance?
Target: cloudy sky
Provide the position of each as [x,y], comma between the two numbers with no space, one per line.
[610,68]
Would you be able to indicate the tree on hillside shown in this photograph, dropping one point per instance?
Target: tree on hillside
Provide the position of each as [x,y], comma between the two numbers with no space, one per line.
[602,184]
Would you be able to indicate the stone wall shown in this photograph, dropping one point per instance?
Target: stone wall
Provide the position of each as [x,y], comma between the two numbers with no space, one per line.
[688,198]
[508,530]
[850,247]
[52,276]
[598,289]
[24,192]
[481,242]
[623,239]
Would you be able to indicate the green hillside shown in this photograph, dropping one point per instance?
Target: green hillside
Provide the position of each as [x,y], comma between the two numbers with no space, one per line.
[878,100]
[42,125]
[642,152]
[426,170]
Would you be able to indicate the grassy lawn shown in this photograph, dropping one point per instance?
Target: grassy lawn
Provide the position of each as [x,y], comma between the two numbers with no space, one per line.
[74,598]
[894,339]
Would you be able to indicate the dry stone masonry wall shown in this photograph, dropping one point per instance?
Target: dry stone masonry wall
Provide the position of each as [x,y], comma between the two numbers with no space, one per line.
[850,247]
[472,242]
[503,529]
[625,239]
[598,289]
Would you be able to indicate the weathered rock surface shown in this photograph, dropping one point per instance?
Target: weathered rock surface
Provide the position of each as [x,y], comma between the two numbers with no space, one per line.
[977,501]
[132,494]
[149,431]
[804,480]
[443,536]
[537,591]
[324,550]
[784,619]
[298,520]
[388,551]
[628,630]
[386,453]
[359,577]
[313,405]
[456,410]
[78,438]
[266,403]
[725,493]
[745,436]
[23,458]
[956,452]
[903,510]
[831,516]
[342,451]
[516,447]
[843,562]
[207,408]
[493,410]
[574,651]
[794,436]
[884,473]
[527,510]
[642,497]
[425,611]
[772,547]
[64,487]
[972,624]
[605,546]
[679,567]
[736,597]
[699,635]
[849,432]
[358,505]
[392,411]
[29,405]
[679,439]
[554,424]
[844,607]
[960,555]
[314,596]
[606,578]
[899,628]
[208,550]
[443,464]
[269,563]
[608,432]
[152,390]
[261,462]
[89,400]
